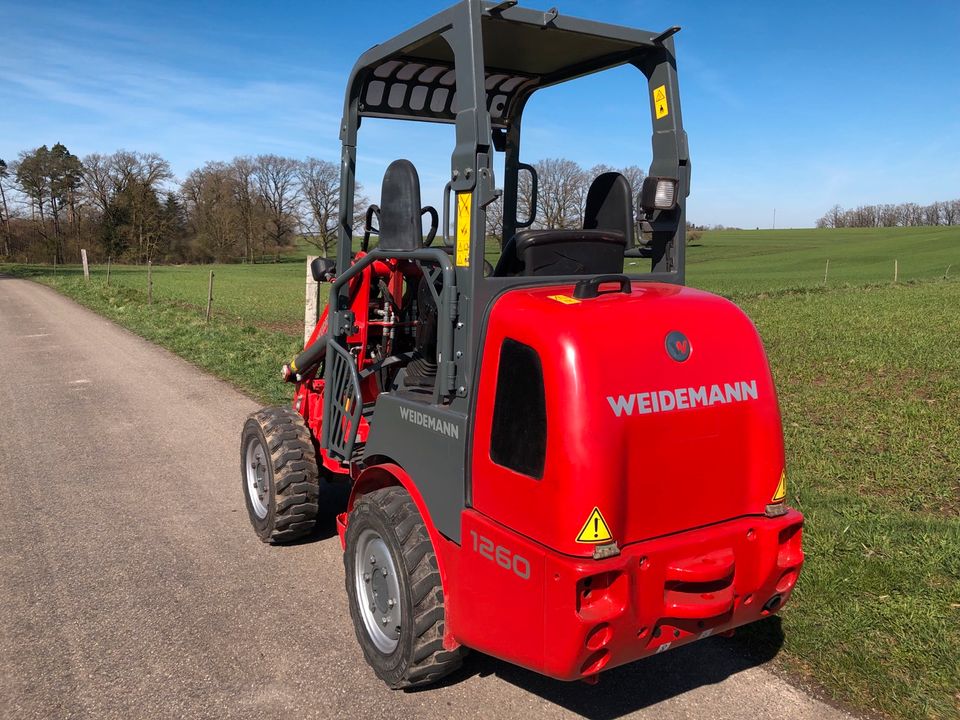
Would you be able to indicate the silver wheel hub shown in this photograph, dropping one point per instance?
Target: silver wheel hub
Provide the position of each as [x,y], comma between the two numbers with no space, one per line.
[258,482]
[377,589]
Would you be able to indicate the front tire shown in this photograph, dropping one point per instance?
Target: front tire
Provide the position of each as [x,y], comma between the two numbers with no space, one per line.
[396,597]
[278,471]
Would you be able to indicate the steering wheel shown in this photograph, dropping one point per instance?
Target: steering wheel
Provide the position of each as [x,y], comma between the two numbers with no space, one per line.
[434,224]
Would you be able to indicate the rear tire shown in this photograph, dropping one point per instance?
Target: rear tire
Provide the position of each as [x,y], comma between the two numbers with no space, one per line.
[279,475]
[385,527]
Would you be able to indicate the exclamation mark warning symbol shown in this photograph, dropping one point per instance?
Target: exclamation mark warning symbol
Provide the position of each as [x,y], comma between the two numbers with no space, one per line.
[595,529]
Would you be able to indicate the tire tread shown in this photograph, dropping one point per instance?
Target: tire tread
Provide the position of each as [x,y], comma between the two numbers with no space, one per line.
[429,660]
[296,477]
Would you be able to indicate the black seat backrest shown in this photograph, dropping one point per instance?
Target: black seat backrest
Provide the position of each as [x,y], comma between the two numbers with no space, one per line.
[597,249]
[610,206]
[400,227]
[562,252]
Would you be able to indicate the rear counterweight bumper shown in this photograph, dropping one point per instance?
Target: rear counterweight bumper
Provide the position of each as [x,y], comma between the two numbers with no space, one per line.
[571,618]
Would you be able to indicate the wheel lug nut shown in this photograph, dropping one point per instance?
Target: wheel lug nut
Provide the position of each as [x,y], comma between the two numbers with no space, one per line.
[384,620]
[384,572]
[373,560]
[391,602]
[366,577]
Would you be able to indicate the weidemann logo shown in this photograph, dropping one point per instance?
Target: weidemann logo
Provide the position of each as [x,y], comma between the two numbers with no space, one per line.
[431,422]
[683,398]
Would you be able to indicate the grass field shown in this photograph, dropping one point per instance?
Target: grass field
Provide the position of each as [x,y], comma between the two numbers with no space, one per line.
[739,262]
[868,374]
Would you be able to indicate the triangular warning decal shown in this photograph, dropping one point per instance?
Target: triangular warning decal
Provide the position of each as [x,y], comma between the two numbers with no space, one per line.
[781,492]
[595,529]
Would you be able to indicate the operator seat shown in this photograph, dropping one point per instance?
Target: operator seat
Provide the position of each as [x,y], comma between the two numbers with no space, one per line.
[595,250]
[400,227]
[401,230]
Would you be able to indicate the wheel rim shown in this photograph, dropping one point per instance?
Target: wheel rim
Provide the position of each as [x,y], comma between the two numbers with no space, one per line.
[258,482]
[377,587]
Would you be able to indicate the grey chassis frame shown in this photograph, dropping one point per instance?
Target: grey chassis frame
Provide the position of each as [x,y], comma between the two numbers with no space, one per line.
[458,39]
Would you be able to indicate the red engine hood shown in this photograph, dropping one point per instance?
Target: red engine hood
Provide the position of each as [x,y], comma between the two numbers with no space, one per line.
[658,443]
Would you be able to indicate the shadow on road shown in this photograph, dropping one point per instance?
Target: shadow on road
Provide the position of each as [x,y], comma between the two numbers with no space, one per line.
[633,687]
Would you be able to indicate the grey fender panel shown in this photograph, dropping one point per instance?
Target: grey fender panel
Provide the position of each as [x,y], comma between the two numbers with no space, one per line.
[430,444]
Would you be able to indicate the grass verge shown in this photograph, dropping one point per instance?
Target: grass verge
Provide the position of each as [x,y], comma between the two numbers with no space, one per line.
[869,385]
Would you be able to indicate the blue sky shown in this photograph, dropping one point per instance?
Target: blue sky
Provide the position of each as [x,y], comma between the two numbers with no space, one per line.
[793,106]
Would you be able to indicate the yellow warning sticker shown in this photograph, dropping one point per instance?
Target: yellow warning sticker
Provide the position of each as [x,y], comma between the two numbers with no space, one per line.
[660,102]
[464,204]
[781,492]
[595,529]
[565,299]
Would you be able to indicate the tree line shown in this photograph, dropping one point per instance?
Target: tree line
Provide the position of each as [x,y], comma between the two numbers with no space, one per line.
[129,207]
[890,215]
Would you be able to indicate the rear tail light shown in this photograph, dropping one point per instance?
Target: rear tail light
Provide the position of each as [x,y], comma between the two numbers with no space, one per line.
[777,504]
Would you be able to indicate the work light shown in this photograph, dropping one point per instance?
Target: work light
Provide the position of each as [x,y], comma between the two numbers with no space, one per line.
[658,193]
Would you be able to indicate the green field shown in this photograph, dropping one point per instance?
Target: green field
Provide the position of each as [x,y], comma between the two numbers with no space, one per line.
[729,262]
[868,374]
[735,262]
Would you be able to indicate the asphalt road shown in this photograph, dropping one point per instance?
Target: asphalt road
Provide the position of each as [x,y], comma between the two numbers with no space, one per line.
[131,584]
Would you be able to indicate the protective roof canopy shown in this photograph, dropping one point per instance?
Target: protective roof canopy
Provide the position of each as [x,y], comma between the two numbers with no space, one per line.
[419,80]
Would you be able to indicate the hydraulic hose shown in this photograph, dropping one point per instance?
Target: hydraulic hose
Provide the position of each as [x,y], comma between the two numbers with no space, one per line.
[306,360]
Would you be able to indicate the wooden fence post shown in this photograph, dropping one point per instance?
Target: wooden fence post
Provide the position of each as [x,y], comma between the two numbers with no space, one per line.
[149,282]
[108,270]
[54,264]
[86,267]
[896,270]
[826,271]
[310,313]
[209,296]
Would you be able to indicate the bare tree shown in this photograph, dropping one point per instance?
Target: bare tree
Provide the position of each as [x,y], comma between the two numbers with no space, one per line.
[834,217]
[98,183]
[4,208]
[277,184]
[495,219]
[635,177]
[951,212]
[320,185]
[250,206]
[320,190]
[888,215]
[560,193]
[212,209]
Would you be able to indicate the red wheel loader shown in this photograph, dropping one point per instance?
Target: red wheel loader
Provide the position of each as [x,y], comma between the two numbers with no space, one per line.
[550,460]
